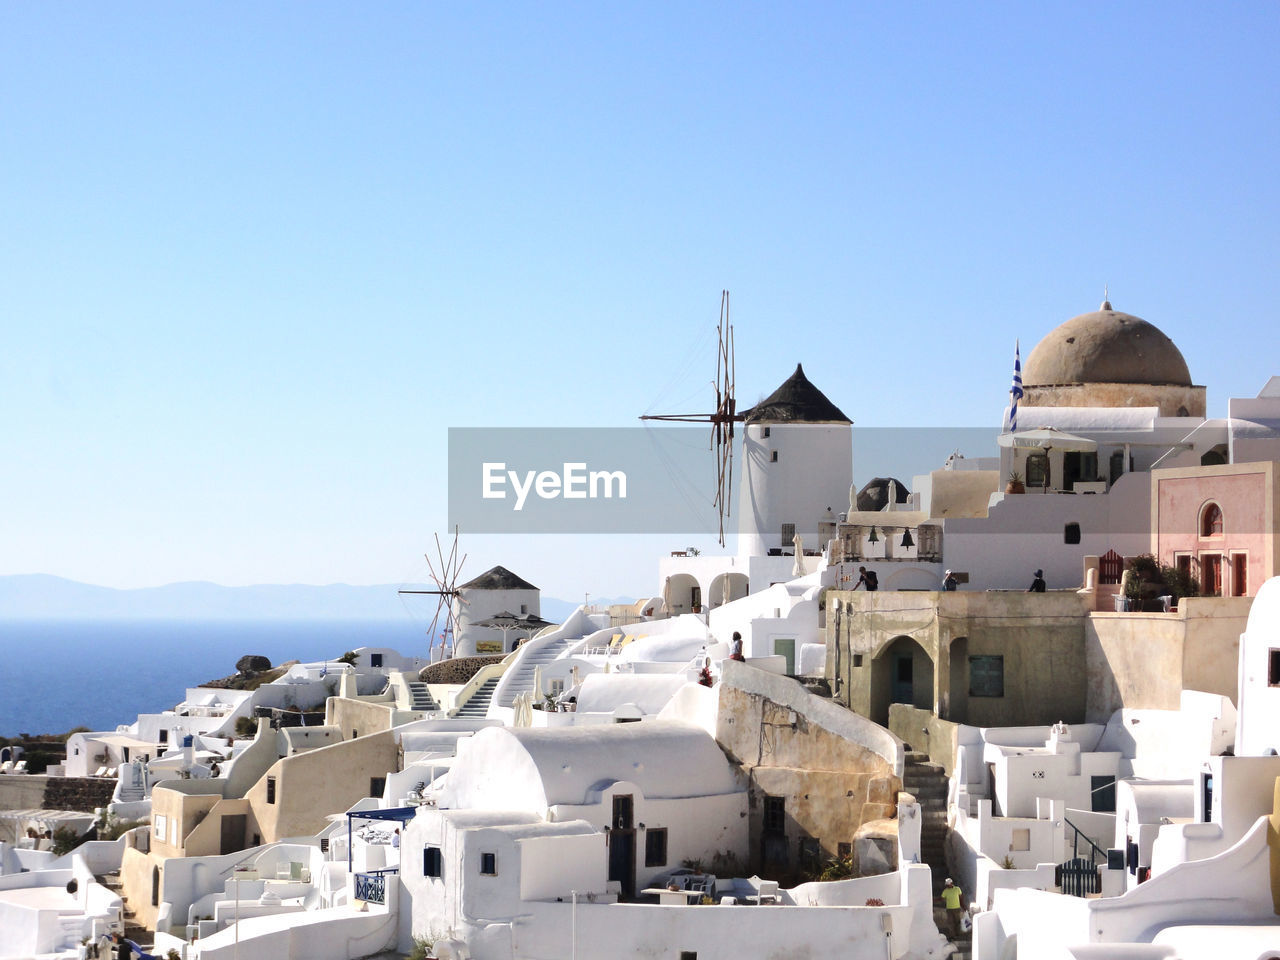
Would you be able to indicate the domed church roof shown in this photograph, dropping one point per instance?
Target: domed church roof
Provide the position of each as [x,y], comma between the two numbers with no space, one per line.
[875,495]
[1106,347]
[796,401]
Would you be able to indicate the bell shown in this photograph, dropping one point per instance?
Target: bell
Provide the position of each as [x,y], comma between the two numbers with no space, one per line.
[906,539]
[873,538]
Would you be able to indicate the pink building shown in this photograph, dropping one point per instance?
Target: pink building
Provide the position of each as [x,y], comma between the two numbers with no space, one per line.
[1219,524]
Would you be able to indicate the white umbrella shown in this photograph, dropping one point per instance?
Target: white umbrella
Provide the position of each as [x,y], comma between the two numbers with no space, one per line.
[1047,438]
[798,569]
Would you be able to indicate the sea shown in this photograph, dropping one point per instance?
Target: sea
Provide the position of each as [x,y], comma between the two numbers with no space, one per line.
[60,674]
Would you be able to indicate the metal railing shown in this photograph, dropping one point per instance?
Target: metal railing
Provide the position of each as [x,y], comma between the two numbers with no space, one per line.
[1095,852]
[371,887]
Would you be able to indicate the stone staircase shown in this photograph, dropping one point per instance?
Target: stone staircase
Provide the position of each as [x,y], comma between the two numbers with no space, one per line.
[132,929]
[420,698]
[521,672]
[927,782]
[478,705]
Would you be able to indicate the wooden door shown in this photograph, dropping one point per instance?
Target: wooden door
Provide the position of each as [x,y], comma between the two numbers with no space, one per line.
[622,845]
[232,833]
[1211,575]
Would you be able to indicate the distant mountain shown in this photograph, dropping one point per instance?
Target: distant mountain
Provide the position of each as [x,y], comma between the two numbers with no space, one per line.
[39,596]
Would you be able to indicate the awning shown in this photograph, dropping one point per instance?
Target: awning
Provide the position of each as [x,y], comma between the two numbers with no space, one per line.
[50,818]
[125,740]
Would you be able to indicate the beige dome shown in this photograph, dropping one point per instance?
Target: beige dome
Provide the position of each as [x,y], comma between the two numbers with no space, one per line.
[1106,347]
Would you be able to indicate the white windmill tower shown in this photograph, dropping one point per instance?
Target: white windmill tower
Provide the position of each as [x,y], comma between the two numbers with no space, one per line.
[797,448]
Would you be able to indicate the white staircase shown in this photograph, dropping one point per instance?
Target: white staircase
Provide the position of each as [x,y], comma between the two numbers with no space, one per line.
[420,698]
[478,703]
[519,676]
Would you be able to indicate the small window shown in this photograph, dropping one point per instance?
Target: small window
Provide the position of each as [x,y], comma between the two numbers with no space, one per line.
[375,659]
[775,815]
[1273,667]
[164,736]
[986,676]
[488,864]
[788,534]
[1211,520]
[765,431]
[857,659]
[1103,792]
[161,825]
[377,786]
[524,608]
[432,862]
[1021,840]
[692,954]
[1071,533]
[773,456]
[271,789]
[655,847]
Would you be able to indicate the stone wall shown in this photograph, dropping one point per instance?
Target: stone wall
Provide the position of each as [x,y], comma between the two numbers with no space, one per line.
[78,793]
[38,792]
[1145,660]
[832,770]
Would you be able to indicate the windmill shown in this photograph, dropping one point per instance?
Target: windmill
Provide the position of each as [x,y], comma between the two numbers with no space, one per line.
[722,418]
[446,581]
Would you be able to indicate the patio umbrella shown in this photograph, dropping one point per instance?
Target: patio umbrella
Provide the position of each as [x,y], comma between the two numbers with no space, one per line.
[1046,439]
[507,621]
[797,569]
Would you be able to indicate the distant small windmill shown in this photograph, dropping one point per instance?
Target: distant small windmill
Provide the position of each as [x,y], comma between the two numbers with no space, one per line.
[722,418]
[446,581]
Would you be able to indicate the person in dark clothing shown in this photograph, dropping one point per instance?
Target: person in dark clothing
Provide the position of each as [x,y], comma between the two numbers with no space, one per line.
[1037,585]
[867,578]
[122,949]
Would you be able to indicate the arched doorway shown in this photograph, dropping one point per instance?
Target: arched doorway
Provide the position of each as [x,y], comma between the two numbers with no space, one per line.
[732,586]
[682,594]
[902,672]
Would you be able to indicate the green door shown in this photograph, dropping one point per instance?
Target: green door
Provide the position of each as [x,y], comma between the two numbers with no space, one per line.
[786,647]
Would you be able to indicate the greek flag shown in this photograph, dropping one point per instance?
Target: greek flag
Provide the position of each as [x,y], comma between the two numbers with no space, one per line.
[1015,391]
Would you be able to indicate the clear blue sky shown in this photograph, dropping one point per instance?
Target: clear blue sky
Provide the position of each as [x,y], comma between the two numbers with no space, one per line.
[258,257]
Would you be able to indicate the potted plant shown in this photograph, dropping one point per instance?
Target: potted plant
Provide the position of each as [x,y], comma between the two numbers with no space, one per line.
[1015,484]
[1131,589]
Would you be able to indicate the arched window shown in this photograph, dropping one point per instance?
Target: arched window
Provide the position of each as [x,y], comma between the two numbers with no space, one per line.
[1211,520]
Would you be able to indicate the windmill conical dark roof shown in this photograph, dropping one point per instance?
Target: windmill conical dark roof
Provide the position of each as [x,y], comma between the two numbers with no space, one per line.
[796,401]
[497,578]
